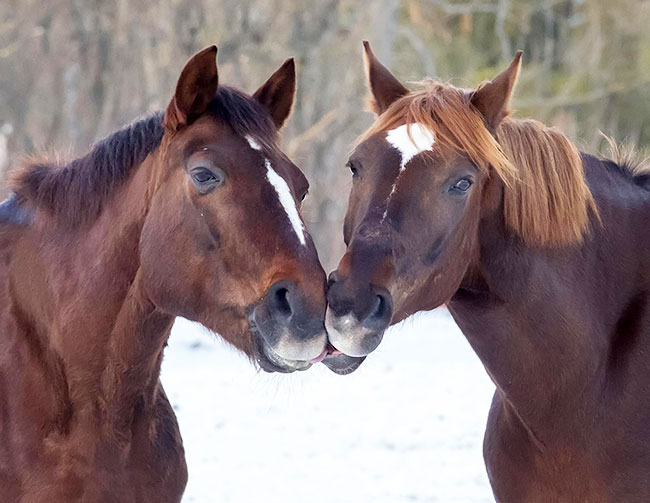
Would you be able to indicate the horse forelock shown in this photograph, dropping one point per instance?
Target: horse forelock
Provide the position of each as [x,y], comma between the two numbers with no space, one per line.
[546,199]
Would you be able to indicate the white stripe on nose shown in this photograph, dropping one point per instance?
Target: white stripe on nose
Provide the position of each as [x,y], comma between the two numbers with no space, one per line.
[284,194]
[286,200]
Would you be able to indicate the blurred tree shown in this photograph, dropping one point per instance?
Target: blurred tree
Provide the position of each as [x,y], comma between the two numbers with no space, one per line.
[71,71]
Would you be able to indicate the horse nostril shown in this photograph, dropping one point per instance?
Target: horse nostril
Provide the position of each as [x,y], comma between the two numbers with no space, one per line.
[279,300]
[332,278]
[381,312]
[339,300]
[380,306]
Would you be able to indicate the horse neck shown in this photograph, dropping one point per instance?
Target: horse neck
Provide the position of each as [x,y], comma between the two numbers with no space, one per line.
[98,325]
[544,321]
[527,313]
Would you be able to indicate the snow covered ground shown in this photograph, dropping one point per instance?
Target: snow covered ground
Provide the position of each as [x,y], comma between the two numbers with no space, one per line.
[407,426]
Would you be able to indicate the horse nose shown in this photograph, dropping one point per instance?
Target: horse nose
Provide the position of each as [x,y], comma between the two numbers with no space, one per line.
[372,307]
[289,306]
[294,328]
[357,317]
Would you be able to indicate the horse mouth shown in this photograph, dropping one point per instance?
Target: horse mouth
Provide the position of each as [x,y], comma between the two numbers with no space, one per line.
[342,364]
[270,361]
[327,352]
[267,359]
[332,358]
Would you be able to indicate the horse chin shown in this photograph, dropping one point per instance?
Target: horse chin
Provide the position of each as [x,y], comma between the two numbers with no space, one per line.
[270,361]
[343,364]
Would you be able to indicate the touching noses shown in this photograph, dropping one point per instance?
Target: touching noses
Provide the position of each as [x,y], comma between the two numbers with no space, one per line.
[358,313]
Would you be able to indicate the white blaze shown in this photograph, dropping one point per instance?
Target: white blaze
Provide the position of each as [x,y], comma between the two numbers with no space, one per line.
[420,140]
[254,145]
[284,194]
[286,199]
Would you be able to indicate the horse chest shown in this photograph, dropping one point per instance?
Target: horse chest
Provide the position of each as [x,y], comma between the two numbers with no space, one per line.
[584,466]
[563,427]
[88,464]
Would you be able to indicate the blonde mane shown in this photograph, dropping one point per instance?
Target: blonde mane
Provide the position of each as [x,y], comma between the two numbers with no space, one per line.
[546,199]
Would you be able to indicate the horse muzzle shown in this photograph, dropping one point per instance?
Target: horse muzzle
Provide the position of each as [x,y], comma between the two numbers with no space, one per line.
[290,332]
[356,318]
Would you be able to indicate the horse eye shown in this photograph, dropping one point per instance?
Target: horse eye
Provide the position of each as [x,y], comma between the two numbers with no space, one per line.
[354,168]
[206,179]
[462,185]
[203,175]
[304,195]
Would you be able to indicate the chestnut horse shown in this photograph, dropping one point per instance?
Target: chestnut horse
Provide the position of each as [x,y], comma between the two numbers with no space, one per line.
[191,213]
[541,254]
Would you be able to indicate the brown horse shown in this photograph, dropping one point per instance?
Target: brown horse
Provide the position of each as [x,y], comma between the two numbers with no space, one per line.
[191,213]
[540,252]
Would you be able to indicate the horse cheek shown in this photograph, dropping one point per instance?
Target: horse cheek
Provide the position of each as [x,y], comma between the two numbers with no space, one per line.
[167,261]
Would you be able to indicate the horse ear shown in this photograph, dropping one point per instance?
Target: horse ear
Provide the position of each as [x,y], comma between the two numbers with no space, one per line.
[196,88]
[277,93]
[492,98]
[384,87]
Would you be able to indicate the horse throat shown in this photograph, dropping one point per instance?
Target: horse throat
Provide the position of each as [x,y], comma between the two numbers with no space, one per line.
[133,356]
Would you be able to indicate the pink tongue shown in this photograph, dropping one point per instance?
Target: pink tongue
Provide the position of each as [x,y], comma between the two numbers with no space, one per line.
[329,350]
[320,357]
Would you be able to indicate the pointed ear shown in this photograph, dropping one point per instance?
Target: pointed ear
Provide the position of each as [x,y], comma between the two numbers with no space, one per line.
[492,99]
[384,87]
[196,88]
[277,93]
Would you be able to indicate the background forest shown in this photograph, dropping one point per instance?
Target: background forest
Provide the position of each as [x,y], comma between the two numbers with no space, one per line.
[72,71]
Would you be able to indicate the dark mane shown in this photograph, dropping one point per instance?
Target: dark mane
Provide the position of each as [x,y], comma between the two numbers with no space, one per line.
[77,191]
[627,161]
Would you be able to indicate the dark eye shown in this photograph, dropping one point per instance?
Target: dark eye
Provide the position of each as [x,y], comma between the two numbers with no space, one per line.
[354,168]
[206,179]
[303,196]
[203,175]
[462,185]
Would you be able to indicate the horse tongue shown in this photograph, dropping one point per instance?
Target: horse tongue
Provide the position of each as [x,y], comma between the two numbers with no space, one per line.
[328,351]
[332,351]
[320,357]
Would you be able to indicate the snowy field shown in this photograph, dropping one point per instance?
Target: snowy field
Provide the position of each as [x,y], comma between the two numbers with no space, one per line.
[407,426]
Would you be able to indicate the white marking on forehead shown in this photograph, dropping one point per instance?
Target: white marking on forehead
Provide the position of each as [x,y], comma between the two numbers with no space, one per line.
[253,143]
[284,194]
[286,199]
[420,140]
